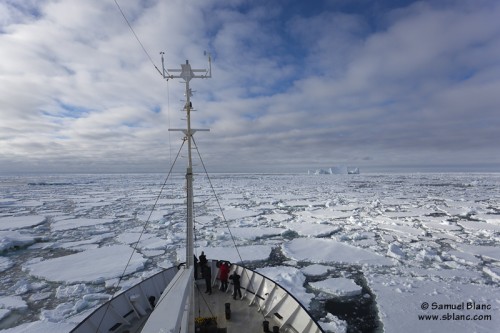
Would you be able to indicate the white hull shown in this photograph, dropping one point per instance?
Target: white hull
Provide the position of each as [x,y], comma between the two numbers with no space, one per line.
[264,299]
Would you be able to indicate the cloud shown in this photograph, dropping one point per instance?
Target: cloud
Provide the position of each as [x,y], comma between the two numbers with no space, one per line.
[338,83]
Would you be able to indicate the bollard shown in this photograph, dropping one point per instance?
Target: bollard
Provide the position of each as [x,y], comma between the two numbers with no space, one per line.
[228,310]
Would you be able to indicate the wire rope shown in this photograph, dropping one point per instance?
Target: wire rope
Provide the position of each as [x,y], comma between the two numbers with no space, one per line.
[134,250]
[222,213]
[137,37]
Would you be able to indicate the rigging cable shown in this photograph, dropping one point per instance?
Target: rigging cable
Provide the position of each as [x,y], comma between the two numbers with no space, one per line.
[217,200]
[168,120]
[137,37]
[222,213]
[134,250]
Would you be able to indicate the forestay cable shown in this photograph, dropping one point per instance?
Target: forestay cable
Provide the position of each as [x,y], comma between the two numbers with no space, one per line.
[137,37]
[222,213]
[134,250]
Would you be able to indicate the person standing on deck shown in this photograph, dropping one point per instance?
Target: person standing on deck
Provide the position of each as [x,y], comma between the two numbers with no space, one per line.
[203,262]
[195,267]
[207,275]
[236,284]
[223,275]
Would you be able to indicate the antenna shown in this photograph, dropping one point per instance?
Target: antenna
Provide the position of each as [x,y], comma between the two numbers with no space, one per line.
[163,65]
[186,72]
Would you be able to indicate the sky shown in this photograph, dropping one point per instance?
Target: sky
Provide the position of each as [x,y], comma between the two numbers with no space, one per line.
[386,86]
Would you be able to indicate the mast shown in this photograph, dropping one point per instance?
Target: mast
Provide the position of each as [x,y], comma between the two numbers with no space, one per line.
[187,73]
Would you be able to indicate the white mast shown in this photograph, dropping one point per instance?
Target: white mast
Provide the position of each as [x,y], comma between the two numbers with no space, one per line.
[187,73]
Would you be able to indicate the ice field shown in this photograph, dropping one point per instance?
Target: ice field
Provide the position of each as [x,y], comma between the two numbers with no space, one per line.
[365,253]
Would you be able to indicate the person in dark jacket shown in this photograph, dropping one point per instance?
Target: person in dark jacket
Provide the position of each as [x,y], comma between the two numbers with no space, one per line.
[195,268]
[236,284]
[207,275]
[203,262]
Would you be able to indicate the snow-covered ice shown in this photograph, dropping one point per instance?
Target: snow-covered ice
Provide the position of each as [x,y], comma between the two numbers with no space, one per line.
[404,239]
[316,270]
[11,239]
[13,302]
[20,222]
[338,287]
[290,278]
[88,266]
[330,251]
[77,223]
[5,264]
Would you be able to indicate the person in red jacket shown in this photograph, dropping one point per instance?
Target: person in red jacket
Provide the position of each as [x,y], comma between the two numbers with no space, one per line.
[223,275]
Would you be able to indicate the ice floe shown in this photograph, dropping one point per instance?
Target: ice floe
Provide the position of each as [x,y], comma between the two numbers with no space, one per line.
[41,326]
[250,233]
[406,304]
[62,225]
[313,229]
[330,251]
[339,287]
[332,324]
[395,251]
[13,303]
[316,270]
[20,222]
[88,266]
[485,251]
[290,278]
[5,263]
[11,239]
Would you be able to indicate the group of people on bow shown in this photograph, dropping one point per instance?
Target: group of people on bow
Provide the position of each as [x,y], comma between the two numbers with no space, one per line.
[224,268]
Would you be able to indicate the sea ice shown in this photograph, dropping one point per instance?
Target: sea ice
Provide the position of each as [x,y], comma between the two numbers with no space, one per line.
[464,258]
[330,251]
[313,229]
[86,244]
[403,303]
[339,287]
[11,239]
[13,303]
[20,222]
[152,243]
[316,270]
[41,326]
[402,231]
[4,313]
[493,272]
[291,279]
[88,266]
[76,290]
[68,224]
[238,213]
[477,225]
[395,251]
[333,324]
[132,237]
[446,225]
[489,252]
[5,263]
[251,233]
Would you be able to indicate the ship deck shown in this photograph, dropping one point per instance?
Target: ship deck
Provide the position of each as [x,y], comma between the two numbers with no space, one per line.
[244,317]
